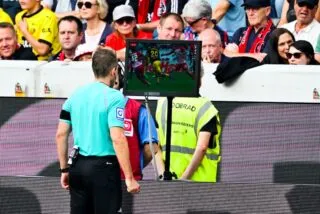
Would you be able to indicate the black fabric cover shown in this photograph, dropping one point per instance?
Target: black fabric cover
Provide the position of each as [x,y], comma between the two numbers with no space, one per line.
[233,67]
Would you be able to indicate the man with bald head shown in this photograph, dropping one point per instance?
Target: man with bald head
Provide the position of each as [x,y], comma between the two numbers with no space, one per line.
[212,51]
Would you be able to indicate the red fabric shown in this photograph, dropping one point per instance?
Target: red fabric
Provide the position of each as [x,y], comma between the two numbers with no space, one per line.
[61,56]
[159,9]
[258,42]
[142,14]
[131,115]
[117,43]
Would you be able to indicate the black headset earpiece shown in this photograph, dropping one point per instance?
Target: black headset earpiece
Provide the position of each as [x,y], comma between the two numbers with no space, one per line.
[121,74]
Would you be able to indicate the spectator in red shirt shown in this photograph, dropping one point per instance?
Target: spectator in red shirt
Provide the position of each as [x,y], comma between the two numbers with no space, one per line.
[124,27]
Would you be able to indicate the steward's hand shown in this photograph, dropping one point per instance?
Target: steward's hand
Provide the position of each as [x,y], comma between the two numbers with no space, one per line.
[132,186]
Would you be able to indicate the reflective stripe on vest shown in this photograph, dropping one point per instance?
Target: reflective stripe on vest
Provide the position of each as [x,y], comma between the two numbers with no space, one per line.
[186,150]
[201,112]
[163,117]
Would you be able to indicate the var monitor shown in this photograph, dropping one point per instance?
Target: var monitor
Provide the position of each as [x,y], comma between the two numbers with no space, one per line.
[162,68]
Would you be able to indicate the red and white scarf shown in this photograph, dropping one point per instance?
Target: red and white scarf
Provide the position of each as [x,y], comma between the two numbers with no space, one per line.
[259,40]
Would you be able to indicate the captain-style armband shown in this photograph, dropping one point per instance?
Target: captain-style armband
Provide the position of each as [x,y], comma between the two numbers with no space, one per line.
[64,170]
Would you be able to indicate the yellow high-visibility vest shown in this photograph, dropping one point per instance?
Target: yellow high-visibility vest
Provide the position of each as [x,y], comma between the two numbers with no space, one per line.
[189,115]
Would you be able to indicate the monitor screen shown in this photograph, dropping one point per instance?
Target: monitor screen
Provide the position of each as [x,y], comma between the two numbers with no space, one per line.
[162,68]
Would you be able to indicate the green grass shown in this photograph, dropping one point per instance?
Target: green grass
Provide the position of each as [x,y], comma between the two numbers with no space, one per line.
[178,81]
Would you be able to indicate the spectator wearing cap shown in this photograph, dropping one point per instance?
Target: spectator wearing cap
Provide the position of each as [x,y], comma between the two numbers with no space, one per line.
[252,40]
[288,13]
[305,27]
[198,13]
[84,52]
[95,29]
[301,53]
[125,27]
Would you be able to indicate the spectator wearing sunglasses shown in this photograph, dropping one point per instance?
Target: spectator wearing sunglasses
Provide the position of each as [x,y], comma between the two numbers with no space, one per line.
[197,14]
[278,46]
[301,53]
[288,13]
[306,27]
[125,27]
[95,29]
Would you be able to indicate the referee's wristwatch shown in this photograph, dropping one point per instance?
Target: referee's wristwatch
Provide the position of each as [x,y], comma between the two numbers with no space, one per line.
[64,170]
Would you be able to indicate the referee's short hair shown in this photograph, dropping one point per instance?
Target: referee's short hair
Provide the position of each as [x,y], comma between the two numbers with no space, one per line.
[103,61]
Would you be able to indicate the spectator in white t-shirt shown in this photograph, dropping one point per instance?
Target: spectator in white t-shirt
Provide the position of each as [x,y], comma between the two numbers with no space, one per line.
[305,27]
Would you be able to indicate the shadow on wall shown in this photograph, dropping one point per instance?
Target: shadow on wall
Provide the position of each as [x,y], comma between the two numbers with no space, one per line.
[127,200]
[298,172]
[304,199]
[52,170]
[26,203]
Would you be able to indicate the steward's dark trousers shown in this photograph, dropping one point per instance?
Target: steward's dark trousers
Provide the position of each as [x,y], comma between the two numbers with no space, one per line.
[95,185]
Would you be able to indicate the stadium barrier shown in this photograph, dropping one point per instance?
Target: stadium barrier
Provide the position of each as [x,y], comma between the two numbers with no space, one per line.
[270,118]
[267,83]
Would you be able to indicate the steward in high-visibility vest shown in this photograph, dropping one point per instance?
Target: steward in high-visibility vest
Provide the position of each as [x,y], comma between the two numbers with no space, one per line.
[189,117]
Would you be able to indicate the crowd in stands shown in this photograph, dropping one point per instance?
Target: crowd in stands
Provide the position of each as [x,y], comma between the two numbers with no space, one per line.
[229,29]
[56,29]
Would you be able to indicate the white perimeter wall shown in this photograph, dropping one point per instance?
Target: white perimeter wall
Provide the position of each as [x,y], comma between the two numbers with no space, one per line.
[267,83]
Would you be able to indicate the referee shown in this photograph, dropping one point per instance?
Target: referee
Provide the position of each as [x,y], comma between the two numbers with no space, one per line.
[94,113]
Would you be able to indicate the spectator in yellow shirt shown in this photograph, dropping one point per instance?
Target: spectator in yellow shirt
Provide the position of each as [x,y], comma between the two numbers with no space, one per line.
[37,29]
[4,17]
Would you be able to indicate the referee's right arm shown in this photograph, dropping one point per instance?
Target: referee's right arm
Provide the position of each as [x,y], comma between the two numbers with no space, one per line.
[62,135]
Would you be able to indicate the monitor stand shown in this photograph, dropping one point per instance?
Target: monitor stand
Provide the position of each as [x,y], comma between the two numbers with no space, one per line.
[167,175]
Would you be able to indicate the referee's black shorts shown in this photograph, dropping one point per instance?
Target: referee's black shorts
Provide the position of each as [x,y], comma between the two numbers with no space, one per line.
[95,185]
